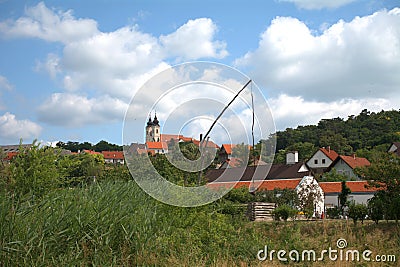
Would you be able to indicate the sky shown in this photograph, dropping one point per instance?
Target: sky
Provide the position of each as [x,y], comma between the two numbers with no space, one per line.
[69,69]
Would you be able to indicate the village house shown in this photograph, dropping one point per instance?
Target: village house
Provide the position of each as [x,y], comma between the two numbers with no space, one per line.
[360,192]
[345,165]
[322,159]
[113,157]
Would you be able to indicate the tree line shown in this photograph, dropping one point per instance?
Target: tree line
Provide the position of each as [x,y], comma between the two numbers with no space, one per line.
[99,147]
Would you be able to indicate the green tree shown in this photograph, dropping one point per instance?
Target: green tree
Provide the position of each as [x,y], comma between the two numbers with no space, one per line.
[357,212]
[284,212]
[343,195]
[35,170]
[384,174]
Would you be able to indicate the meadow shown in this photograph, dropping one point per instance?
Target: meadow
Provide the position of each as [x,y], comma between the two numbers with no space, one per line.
[114,223]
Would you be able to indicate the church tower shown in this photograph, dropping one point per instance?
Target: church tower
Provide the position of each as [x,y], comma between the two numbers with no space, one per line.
[153,133]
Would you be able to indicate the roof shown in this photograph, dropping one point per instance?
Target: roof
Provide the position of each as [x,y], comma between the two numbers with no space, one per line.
[157,145]
[228,148]
[10,155]
[265,185]
[113,154]
[355,187]
[260,172]
[178,137]
[14,148]
[330,153]
[231,163]
[354,161]
[91,152]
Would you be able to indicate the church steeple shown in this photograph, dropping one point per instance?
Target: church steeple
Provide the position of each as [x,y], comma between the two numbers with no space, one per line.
[153,133]
[155,121]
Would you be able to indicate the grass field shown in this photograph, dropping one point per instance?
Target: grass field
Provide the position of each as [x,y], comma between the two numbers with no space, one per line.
[116,224]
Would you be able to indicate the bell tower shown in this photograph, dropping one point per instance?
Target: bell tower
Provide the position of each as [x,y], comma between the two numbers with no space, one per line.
[153,133]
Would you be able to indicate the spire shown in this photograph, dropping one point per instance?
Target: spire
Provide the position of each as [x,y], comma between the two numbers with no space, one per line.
[155,121]
[149,122]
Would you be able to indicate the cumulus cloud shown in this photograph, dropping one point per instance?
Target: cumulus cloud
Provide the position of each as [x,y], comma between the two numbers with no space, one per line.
[194,40]
[112,64]
[348,60]
[41,22]
[290,111]
[75,110]
[319,4]
[12,129]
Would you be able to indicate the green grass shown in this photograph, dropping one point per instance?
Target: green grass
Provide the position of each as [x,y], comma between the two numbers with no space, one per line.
[117,224]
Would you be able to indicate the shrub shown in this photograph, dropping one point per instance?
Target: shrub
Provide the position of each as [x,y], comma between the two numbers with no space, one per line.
[284,212]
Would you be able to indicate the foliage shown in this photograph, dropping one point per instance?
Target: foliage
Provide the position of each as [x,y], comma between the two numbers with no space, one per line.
[384,173]
[309,195]
[284,212]
[377,209]
[357,212]
[333,213]
[242,153]
[99,147]
[343,195]
[333,176]
[368,130]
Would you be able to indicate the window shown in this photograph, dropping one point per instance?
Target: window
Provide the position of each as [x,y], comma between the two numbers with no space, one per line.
[323,161]
[156,130]
[315,161]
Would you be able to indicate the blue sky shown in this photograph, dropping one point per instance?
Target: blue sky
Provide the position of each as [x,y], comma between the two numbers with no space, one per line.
[68,69]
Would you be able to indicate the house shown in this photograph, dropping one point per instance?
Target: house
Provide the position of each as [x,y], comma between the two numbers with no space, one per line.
[395,148]
[345,165]
[14,148]
[322,159]
[90,152]
[157,147]
[113,157]
[360,192]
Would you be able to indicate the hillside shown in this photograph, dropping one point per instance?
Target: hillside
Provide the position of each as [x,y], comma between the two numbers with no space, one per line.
[356,134]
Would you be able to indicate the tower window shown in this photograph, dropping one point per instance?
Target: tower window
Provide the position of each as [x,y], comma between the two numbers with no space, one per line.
[156,130]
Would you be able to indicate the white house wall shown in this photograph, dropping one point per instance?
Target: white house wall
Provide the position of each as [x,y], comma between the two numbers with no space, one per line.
[319,156]
[332,199]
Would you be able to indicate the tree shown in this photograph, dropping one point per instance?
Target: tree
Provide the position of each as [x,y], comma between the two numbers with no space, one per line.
[284,212]
[376,207]
[357,212]
[343,196]
[35,170]
[333,176]
[384,174]
[242,153]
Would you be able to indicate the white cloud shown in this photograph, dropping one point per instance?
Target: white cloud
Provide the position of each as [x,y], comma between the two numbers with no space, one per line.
[74,110]
[12,129]
[357,59]
[194,40]
[319,4]
[291,111]
[41,22]
[5,84]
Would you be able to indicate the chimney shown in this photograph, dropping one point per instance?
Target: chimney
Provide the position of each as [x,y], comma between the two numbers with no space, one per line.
[329,149]
[292,157]
[354,156]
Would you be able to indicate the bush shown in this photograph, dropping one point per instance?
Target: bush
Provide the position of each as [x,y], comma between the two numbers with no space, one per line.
[357,212]
[333,213]
[284,212]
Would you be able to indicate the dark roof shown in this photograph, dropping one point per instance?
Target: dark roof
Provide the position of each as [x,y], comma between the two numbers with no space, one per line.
[260,172]
[14,148]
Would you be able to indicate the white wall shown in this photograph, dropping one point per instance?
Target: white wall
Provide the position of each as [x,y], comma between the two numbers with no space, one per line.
[319,156]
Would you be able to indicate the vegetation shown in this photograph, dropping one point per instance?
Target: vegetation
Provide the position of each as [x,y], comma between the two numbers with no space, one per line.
[357,212]
[100,146]
[364,134]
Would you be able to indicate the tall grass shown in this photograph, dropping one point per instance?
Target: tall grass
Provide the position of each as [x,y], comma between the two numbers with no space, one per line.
[116,224]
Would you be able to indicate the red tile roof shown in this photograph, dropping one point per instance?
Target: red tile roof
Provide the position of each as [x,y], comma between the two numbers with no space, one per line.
[157,145]
[10,155]
[330,153]
[113,154]
[91,152]
[355,162]
[355,186]
[265,185]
